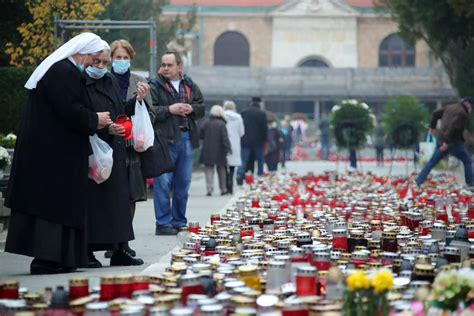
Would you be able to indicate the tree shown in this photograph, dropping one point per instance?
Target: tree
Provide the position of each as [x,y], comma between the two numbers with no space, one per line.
[404,119]
[447,26]
[13,13]
[37,36]
[167,29]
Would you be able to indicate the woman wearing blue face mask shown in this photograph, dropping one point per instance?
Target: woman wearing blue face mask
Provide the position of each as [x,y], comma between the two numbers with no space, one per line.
[122,53]
[109,220]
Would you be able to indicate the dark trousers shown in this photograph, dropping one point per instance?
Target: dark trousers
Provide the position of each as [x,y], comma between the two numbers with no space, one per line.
[353,158]
[379,155]
[230,179]
[456,150]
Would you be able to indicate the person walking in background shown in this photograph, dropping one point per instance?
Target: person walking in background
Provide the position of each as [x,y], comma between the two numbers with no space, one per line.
[178,103]
[325,140]
[47,192]
[285,149]
[256,132]
[379,144]
[454,119]
[215,147]
[235,130]
[272,148]
[109,221]
[122,54]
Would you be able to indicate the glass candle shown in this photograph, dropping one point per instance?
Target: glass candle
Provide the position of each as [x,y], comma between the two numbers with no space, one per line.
[126,123]
[190,284]
[249,275]
[303,239]
[423,272]
[389,242]
[321,260]
[10,290]
[359,258]
[140,283]
[306,281]
[123,286]
[452,254]
[215,217]
[339,240]
[246,231]
[425,227]
[438,231]
[276,276]
[193,227]
[78,287]
[107,288]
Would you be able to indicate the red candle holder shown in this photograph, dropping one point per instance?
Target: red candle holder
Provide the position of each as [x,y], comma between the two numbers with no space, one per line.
[107,288]
[306,281]
[10,290]
[193,227]
[126,123]
[78,287]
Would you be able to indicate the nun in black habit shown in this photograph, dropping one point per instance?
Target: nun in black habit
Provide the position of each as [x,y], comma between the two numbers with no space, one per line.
[47,191]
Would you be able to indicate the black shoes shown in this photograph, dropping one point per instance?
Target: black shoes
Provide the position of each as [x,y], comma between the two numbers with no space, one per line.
[208,194]
[130,251]
[240,181]
[165,231]
[48,267]
[93,262]
[122,258]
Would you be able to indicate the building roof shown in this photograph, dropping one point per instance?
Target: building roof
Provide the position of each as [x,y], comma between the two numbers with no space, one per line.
[227,3]
[249,6]
[362,3]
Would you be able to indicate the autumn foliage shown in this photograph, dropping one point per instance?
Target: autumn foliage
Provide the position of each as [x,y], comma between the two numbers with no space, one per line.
[38,35]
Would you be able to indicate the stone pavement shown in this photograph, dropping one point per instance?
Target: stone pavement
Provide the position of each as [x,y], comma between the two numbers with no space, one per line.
[154,250]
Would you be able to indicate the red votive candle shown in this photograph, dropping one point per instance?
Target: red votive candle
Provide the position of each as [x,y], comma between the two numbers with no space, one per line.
[306,281]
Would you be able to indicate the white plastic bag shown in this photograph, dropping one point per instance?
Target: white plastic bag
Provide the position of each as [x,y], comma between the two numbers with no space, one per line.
[427,148]
[143,134]
[101,160]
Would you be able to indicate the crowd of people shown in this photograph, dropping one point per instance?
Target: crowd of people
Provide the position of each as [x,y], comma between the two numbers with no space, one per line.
[60,217]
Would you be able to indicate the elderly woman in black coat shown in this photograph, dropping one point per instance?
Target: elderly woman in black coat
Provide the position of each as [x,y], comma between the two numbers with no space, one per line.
[109,220]
[215,147]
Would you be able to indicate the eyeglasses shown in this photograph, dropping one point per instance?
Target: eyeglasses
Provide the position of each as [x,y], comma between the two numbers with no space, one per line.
[97,62]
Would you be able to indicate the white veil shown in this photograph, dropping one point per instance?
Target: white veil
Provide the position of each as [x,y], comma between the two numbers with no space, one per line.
[84,43]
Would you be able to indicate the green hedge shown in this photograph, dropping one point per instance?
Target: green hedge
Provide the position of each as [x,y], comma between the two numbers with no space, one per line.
[13,97]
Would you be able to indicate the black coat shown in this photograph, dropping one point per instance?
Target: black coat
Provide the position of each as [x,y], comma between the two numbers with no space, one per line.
[216,144]
[49,171]
[167,123]
[256,129]
[109,218]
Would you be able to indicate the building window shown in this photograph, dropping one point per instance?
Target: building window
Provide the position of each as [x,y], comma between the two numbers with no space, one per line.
[314,62]
[395,52]
[231,49]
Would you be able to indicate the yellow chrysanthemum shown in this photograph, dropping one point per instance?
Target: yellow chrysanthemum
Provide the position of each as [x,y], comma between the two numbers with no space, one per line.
[382,281]
[357,281]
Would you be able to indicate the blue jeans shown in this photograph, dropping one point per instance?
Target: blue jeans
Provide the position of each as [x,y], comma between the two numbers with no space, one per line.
[170,190]
[245,154]
[456,150]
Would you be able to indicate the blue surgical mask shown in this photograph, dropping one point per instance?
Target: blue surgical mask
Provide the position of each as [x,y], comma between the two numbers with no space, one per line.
[80,67]
[96,73]
[121,66]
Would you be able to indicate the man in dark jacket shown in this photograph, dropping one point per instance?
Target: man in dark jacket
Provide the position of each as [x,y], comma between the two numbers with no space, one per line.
[454,119]
[178,102]
[256,130]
